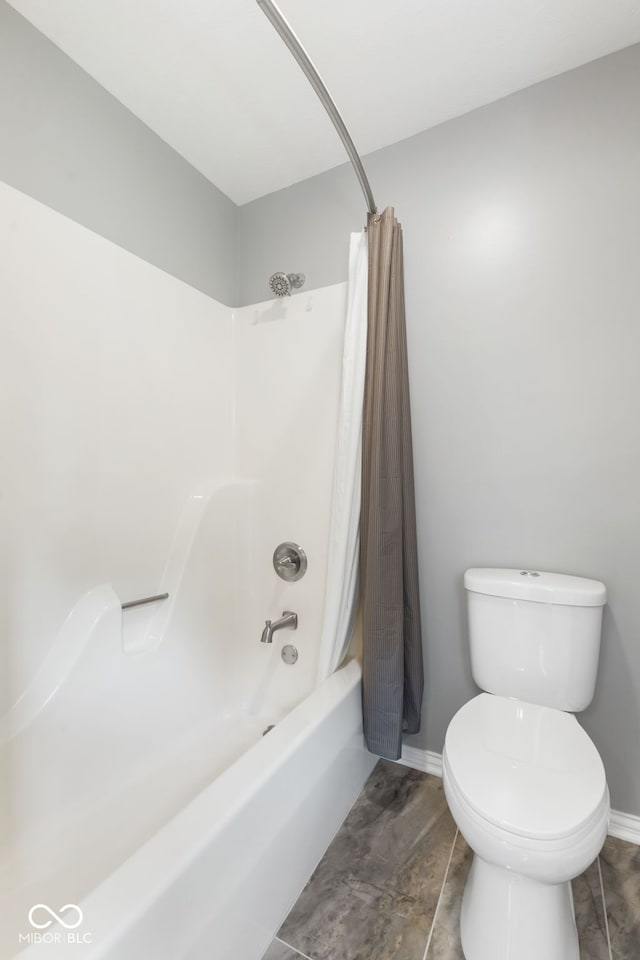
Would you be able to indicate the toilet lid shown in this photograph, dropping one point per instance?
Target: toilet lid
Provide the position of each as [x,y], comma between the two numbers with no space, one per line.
[528,769]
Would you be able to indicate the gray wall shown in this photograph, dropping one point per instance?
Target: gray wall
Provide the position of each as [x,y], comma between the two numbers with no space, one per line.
[69,143]
[522,246]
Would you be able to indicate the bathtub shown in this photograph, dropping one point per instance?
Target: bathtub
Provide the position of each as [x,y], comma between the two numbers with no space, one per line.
[219,877]
[144,794]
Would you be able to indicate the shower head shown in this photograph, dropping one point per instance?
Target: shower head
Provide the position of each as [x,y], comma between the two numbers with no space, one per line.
[281,283]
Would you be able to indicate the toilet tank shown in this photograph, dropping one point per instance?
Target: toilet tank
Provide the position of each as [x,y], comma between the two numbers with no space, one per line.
[535,636]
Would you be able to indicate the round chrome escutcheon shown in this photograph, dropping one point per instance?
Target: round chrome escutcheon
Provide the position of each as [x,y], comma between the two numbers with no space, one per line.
[289,561]
[289,653]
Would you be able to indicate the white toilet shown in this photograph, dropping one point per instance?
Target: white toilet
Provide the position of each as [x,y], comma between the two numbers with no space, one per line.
[524,783]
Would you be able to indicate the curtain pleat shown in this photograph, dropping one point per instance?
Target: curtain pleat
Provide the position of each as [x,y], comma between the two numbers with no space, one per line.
[392,644]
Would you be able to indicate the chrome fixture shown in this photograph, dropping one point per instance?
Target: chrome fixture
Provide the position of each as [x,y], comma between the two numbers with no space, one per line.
[140,603]
[284,29]
[289,561]
[289,654]
[282,283]
[288,621]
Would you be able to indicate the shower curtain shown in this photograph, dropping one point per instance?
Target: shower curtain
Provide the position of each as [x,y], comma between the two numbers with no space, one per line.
[392,648]
[341,596]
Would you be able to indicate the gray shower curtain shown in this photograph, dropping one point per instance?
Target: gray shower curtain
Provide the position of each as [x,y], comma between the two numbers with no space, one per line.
[392,648]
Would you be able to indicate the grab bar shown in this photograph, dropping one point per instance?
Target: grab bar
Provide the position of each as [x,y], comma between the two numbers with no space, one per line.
[139,603]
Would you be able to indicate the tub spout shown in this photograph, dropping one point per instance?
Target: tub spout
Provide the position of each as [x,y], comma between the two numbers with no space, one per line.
[288,621]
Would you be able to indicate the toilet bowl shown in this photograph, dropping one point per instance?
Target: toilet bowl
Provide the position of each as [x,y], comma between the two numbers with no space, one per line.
[524,782]
[527,789]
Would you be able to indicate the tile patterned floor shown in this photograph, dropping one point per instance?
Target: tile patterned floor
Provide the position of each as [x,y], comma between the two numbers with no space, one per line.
[390,885]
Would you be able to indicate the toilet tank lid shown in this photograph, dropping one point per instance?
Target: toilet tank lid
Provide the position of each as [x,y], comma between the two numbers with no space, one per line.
[537,586]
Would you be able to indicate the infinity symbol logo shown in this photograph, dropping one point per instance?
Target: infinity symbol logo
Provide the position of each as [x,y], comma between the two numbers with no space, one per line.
[67,924]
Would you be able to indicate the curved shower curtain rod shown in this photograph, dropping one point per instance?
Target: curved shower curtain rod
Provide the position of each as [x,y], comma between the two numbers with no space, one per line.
[281,25]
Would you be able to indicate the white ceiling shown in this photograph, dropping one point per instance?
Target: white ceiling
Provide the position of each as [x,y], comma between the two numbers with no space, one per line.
[214,80]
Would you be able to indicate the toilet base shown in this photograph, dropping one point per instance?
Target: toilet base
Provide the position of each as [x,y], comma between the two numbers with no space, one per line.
[510,917]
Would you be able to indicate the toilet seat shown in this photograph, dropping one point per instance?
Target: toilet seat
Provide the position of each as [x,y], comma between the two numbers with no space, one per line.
[529,770]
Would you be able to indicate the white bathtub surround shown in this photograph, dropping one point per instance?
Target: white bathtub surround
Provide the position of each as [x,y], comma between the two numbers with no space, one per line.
[162,442]
[144,628]
[340,605]
[112,374]
[79,630]
[287,356]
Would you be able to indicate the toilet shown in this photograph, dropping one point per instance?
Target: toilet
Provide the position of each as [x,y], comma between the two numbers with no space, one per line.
[524,783]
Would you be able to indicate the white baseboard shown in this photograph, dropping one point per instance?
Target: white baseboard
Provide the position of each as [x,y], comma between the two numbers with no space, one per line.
[625,826]
[425,760]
